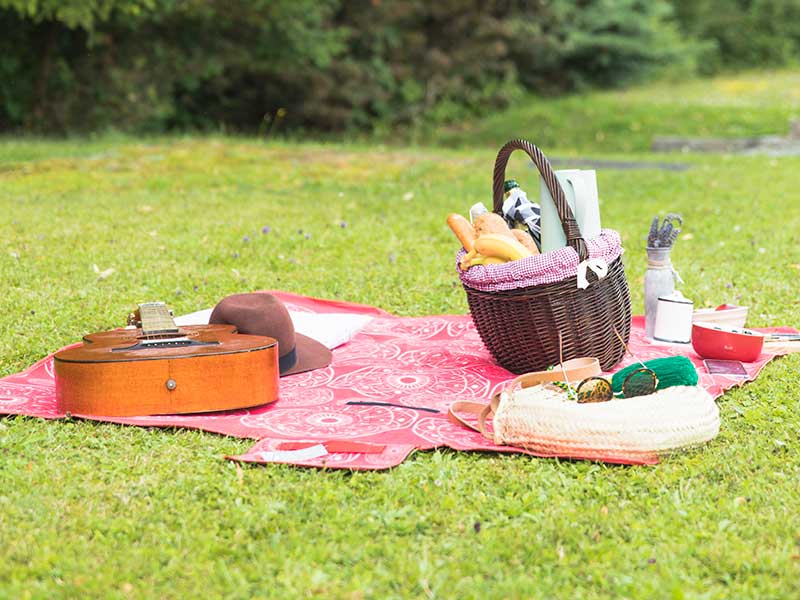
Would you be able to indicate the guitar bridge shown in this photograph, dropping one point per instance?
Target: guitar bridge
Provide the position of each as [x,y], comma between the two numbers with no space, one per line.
[177,342]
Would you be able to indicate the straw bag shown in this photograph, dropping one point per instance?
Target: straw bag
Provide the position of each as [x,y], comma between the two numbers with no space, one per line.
[543,420]
[519,308]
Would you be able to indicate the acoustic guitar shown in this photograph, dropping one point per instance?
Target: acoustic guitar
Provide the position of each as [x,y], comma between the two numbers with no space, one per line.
[153,367]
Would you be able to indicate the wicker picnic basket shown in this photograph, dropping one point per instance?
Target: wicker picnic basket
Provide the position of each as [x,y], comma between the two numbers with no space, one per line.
[521,327]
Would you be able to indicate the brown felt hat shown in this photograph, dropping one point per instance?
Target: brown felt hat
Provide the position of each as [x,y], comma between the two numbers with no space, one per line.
[259,313]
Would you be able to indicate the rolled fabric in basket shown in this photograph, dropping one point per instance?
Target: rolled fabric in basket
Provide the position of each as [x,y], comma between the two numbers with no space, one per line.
[540,269]
[670,371]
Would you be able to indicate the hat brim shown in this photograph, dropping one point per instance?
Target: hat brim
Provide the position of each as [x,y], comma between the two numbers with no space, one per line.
[310,355]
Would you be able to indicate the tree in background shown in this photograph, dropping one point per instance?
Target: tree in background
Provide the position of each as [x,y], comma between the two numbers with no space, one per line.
[319,65]
[153,64]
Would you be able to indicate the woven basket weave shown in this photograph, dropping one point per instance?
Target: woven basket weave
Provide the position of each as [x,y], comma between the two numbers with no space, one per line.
[521,327]
[543,420]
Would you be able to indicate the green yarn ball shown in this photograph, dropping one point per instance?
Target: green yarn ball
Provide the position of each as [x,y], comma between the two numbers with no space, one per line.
[671,370]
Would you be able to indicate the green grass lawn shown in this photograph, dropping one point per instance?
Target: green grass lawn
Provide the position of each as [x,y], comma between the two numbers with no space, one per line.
[742,105]
[98,510]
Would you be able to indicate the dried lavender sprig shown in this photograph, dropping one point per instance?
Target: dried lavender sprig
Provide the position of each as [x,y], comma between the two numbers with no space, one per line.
[673,236]
[652,237]
[664,234]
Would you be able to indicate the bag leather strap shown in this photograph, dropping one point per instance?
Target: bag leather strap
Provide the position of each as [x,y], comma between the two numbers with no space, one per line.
[473,408]
[576,370]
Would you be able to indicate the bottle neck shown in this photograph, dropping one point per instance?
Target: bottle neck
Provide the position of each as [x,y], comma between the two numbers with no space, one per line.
[658,258]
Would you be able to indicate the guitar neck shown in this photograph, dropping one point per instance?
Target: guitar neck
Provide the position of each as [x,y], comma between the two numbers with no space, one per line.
[156,320]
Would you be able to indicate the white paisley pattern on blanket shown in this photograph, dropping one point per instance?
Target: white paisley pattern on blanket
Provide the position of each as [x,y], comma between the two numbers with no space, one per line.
[415,365]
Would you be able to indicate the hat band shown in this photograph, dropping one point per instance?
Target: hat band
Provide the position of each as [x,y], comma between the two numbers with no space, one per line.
[288,360]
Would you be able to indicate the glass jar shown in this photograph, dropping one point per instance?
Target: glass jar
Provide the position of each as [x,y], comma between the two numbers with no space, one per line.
[659,280]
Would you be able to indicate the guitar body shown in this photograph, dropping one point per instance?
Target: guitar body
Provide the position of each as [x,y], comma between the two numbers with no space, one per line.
[199,368]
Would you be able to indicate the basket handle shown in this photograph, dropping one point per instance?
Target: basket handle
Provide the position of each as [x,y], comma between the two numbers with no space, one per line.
[568,222]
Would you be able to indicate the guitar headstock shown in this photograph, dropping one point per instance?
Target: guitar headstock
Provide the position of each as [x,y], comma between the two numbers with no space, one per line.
[154,319]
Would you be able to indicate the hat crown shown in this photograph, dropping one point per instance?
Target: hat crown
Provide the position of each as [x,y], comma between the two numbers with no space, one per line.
[262,313]
[257,314]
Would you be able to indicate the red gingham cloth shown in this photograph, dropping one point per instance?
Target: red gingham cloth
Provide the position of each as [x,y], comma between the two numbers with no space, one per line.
[539,269]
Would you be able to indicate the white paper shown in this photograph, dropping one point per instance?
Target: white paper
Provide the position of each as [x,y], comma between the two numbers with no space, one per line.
[294,455]
[330,329]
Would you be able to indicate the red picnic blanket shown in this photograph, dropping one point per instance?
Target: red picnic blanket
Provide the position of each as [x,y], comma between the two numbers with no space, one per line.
[402,373]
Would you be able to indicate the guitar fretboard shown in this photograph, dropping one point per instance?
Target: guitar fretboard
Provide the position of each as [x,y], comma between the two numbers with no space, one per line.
[156,319]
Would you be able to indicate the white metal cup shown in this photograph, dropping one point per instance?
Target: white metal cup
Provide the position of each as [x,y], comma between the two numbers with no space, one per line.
[674,319]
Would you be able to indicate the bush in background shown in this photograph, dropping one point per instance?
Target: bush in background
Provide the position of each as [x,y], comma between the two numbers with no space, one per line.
[319,65]
[147,65]
[741,33]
